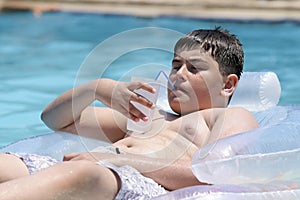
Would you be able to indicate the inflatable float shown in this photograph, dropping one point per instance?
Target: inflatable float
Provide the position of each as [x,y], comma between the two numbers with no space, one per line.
[258,164]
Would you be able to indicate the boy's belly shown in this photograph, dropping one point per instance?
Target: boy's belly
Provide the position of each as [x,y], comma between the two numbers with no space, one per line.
[167,146]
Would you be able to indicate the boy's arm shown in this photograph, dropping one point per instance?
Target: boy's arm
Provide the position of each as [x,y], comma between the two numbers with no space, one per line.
[72,112]
[172,174]
[67,107]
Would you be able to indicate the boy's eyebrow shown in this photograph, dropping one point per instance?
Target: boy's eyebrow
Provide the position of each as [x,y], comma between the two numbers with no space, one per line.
[196,59]
[192,59]
[176,59]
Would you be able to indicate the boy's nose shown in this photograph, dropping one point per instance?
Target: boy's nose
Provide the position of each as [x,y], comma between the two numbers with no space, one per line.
[182,72]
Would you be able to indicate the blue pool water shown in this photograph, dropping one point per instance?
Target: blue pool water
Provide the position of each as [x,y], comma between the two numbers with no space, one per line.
[41,57]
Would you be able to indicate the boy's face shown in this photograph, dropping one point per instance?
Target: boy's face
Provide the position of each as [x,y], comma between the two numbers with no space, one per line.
[198,82]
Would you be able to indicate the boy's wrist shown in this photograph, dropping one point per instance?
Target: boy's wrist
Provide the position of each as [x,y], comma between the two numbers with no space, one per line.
[104,89]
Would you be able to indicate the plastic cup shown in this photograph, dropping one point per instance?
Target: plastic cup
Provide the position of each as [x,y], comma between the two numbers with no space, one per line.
[143,126]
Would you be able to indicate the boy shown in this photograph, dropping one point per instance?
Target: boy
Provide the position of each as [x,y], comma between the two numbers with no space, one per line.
[205,71]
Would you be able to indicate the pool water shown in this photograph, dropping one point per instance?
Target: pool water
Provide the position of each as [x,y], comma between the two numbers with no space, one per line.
[41,57]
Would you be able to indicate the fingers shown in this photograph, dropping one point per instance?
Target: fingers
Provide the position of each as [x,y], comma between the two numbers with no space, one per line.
[126,95]
[80,156]
[136,114]
[141,100]
[70,156]
[148,88]
[140,85]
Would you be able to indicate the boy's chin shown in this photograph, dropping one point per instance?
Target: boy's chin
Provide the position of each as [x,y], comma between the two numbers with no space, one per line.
[182,110]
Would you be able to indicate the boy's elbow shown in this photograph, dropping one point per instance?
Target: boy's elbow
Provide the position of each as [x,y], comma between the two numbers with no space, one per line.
[54,123]
[48,122]
[43,118]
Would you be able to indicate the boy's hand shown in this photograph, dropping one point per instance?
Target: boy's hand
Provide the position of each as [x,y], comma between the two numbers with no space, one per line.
[89,156]
[80,156]
[124,94]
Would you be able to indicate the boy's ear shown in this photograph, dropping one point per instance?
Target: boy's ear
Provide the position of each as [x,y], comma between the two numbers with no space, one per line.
[230,85]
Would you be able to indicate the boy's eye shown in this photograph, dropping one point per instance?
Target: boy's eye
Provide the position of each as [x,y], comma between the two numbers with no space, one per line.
[176,66]
[193,69]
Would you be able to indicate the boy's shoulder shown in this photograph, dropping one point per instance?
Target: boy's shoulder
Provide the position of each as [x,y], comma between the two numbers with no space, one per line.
[239,112]
[235,114]
[231,120]
[239,120]
[228,111]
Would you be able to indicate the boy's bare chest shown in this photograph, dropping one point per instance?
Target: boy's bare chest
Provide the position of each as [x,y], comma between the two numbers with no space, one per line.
[192,127]
[190,131]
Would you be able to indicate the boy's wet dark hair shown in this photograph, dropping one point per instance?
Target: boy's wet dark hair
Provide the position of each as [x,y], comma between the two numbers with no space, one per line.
[223,46]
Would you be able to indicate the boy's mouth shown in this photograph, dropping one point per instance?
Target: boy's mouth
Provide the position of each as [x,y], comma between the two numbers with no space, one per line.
[177,92]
